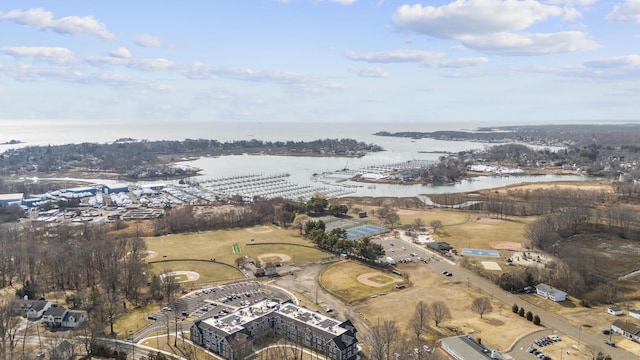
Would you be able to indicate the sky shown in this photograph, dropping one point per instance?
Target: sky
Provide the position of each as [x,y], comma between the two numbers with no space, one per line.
[320,60]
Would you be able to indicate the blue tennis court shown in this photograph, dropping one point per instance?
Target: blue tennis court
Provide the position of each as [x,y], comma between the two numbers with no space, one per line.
[479,252]
[364,230]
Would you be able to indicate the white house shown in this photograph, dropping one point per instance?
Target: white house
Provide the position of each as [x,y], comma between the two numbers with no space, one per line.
[628,330]
[635,313]
[74,318]
[59,317]
[614,310]
[38,308]
[550,292]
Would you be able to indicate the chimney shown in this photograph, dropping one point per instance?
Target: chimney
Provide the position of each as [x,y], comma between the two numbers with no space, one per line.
[479,341]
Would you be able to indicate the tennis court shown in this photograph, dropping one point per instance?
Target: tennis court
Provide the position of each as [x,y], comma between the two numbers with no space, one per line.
[354,229]
[480,252]
[364,230]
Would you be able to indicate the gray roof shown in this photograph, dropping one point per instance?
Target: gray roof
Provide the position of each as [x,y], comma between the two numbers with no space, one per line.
[549,289]
[55,311]
[467,347]
[627,327]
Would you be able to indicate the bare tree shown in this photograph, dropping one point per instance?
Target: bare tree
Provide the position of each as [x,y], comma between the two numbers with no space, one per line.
[440,312]
[435,225]
[390,335]
[389,216]
[9,324]
[374,339]
[420,318]
[169,285]
[481,305]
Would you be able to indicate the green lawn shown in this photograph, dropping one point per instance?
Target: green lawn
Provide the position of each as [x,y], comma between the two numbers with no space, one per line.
[134,321]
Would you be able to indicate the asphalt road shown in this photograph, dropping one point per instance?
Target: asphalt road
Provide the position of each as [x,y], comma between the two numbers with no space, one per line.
[549,320]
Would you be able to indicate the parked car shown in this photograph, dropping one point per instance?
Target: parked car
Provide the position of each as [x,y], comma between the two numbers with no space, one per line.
[606,332]
[610,343]
[152,317]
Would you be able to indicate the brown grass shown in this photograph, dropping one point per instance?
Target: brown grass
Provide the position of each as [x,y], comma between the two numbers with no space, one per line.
[381,279]
[341,280]
[498,328]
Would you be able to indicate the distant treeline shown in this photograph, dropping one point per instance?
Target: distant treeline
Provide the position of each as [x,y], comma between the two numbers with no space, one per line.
[143,158]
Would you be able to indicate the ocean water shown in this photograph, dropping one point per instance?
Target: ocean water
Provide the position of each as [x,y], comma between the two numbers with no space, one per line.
[300,168]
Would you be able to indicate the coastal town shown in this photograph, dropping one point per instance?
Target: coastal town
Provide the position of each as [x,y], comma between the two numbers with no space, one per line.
[277,270]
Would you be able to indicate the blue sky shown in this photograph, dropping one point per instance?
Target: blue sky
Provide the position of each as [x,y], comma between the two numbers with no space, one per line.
[314,60]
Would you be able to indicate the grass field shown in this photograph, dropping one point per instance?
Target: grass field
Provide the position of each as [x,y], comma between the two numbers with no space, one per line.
[498,328]
[446,216]
[478,235]
[209,271]
[381,279]
[341,280]
[219,245]
[134,320]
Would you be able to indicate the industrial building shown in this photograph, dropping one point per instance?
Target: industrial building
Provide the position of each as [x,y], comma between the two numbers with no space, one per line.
[8,199]
[232,336]
[115,188]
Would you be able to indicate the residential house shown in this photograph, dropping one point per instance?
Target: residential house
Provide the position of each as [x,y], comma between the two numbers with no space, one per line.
[614,310]
[60,317]
[551,293]
[37,308]
[626,329]
[634,313]
[72,319]
[232,336]
[53,316]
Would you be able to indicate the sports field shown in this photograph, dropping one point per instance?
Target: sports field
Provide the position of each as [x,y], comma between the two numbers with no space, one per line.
[352,281]
[203,252]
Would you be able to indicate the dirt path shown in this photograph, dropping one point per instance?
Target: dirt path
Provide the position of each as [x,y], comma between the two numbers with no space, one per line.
[191,275]
[283,257]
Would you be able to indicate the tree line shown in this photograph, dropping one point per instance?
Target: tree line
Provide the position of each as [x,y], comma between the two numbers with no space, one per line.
[126,156]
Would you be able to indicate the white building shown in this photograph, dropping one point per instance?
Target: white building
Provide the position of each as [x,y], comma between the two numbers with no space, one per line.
[232,336]
[550,292]
[614,310]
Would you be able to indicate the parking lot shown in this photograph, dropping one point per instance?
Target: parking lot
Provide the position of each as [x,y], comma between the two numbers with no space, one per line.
[216,301]
[402,251]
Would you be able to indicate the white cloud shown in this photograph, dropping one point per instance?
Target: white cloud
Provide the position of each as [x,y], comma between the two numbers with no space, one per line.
[572,2]
[495,26]
[463,18]
[121,52]
[625,67]
[53,55]
[342,2]
[41,19]
[532,44]
[462,62]
[146,40]
[428,58]
[629,10]
[395,56]
[106,60]
[152,64]
[372,72]
[302,83]
[619,62]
